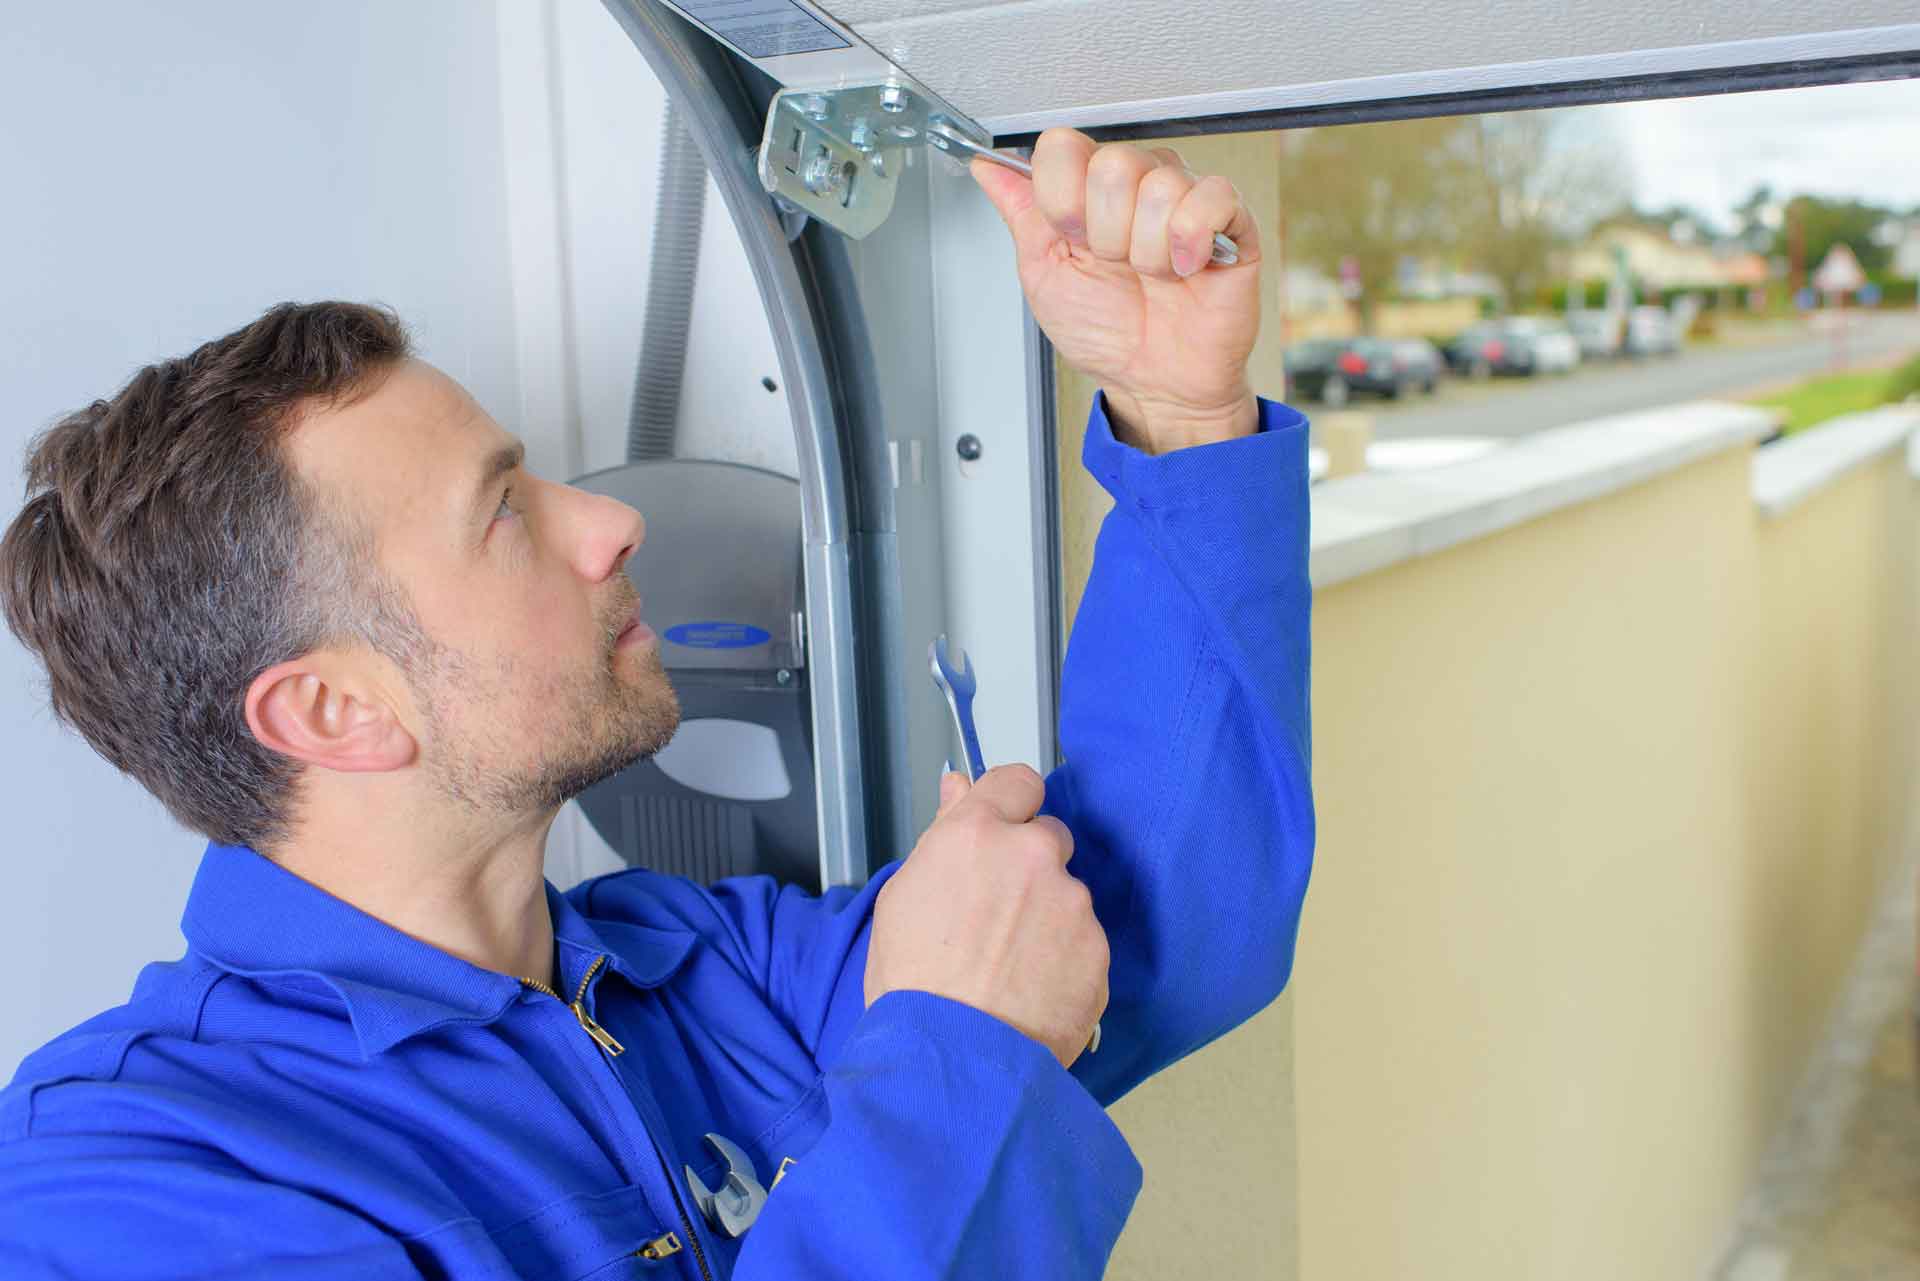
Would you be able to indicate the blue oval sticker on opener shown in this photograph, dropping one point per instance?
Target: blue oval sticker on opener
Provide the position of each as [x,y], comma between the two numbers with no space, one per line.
[718,635]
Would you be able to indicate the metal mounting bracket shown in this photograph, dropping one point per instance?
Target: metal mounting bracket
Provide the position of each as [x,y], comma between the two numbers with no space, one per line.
[838,153]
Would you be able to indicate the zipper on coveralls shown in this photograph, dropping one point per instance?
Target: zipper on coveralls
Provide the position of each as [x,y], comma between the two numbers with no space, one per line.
[667,1245]
[601,1037]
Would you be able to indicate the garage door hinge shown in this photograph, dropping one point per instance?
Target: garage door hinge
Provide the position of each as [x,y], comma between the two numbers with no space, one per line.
[838,154]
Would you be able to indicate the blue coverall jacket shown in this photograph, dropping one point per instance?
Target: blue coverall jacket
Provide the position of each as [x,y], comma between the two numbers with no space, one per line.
[310,1094]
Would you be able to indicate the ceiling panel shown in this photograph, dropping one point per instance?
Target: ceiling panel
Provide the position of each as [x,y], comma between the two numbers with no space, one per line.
[1021,64]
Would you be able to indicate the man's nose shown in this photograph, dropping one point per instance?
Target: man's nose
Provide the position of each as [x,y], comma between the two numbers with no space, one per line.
[609,533]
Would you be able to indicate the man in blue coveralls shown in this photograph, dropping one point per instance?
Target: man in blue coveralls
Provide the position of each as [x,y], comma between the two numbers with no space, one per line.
[302,587]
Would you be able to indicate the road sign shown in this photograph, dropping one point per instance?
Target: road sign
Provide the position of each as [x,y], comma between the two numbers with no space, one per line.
[1839,272]
[1350,276]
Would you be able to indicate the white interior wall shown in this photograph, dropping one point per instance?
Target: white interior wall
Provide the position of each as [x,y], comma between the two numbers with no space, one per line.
[188,166]
[175,170]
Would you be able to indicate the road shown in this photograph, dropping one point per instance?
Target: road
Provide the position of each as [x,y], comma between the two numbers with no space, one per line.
[1517,406]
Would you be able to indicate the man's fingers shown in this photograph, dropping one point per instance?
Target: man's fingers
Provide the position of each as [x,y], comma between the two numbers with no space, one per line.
[1161,193]
[1057,836]
[1168,156]
[1113,190]
[1060,159]
[954,787]
[1013,196]
[1014,792]
[1210,205]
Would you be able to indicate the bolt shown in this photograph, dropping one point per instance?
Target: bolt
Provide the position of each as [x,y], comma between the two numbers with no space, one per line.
[906,133]
[783,676]
[894,98]
[968,447]
[822,174]
[862,136]
[816,106]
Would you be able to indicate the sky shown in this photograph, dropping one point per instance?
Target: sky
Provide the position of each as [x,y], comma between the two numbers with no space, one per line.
[1709,153]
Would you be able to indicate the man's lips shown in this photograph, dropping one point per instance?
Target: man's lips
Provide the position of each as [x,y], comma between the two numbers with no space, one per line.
[635,632]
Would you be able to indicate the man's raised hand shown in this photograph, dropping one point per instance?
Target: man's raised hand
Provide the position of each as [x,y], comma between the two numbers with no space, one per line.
[1113,245]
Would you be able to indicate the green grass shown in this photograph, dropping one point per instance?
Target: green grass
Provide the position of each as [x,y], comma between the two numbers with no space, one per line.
[1828,396]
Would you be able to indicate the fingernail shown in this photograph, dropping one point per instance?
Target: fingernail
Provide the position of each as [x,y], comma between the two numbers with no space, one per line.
[1183,263]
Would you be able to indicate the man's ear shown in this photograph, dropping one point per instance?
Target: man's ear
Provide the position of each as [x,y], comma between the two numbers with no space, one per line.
[315,710]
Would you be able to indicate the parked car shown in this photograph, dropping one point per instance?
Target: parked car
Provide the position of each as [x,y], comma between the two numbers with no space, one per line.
[1651,331]
[1516,345]
[1551,346]
[1420,363]
[1334,370]
[1602,335]
[1479,351]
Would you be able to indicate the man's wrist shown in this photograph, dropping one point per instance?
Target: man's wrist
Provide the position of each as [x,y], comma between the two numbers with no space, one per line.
[1156,427]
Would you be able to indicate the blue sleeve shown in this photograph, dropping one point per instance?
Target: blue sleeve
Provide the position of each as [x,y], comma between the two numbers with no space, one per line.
[1186,737]
[970,1154]
[806,953]
[105,1206]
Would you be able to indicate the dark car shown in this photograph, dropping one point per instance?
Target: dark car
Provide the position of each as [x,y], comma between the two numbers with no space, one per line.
[1333,370]
[1480,351]
[1516,345]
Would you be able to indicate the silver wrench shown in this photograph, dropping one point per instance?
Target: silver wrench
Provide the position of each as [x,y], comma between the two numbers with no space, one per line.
[959,687]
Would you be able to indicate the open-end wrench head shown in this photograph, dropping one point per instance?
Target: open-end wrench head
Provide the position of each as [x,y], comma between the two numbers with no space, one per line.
[737,1204]
[945,674]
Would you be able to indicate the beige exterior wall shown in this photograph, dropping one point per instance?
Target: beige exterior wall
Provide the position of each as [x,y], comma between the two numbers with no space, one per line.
[1526,772]
[1603,800]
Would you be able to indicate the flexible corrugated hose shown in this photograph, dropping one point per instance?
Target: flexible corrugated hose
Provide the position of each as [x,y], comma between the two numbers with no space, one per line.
[653,418]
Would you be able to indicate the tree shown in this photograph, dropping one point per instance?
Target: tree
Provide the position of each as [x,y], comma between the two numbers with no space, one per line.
[1373,194]
[1824,223]
[1757,219]
[1535,180]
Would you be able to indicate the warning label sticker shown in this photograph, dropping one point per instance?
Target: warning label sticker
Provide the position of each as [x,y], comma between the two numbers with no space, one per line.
[764,28]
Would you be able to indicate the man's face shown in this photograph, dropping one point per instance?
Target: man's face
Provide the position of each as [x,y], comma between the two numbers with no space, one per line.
[531,675]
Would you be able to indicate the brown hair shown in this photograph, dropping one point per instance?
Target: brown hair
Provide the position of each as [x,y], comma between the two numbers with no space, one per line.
[168,554]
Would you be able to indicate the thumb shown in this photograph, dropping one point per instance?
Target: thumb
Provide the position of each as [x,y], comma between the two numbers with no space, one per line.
[1012,196]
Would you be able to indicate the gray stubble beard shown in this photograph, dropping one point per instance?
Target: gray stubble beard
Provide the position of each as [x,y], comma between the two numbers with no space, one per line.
[616,725]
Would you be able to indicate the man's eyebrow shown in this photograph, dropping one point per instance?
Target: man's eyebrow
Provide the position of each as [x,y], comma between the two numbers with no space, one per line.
[501,461]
